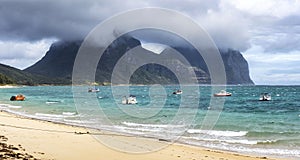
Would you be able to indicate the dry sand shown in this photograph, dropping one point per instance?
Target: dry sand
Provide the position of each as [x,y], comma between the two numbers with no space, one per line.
[9,86]
[45,140]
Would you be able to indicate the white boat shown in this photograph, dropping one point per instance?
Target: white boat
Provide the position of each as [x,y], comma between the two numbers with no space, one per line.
[178,92]
[222,93]
[93,90]
[265,97]
[130,100]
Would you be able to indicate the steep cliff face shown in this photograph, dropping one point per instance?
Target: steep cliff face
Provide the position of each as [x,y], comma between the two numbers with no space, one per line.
[59,60]
[236,67]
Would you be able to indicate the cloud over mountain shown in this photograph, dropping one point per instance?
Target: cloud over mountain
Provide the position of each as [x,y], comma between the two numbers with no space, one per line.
[273,25]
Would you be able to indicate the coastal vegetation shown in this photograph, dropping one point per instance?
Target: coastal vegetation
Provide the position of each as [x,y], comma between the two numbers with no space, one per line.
[13,76]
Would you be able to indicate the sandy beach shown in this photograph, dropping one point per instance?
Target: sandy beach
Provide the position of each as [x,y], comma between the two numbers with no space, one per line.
[9,86]
[35,139]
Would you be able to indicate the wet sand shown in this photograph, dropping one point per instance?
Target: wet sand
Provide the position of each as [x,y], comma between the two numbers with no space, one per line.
[24,138]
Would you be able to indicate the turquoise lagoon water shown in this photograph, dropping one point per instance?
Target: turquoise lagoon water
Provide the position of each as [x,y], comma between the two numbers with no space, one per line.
[245,125]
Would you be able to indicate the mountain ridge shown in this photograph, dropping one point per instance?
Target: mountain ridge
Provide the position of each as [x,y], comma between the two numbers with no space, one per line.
[57,65]
[59,59]
[11,75]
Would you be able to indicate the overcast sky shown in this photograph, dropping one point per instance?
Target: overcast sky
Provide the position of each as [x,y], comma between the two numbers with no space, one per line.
[266,32]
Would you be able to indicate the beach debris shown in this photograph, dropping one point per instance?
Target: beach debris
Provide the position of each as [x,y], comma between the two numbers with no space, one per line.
[164,140]
[82,132]
[8,151]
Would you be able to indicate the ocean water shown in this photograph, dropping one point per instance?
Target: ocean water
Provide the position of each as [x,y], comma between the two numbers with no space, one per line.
[243,124]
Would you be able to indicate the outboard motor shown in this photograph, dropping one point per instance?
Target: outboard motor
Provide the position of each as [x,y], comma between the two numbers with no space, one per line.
[13,98]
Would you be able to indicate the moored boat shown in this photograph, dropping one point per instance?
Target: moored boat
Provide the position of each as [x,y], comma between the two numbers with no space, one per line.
[130,100]
[18,97]
[222,93]
[178,92]
[93,90]
[265,97]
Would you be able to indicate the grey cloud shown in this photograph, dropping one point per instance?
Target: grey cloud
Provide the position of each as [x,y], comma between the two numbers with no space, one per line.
[291,20]
[277,35]
[291,70]
[191,7]
[35,20]
[283,43]
[279,39]
[230,36]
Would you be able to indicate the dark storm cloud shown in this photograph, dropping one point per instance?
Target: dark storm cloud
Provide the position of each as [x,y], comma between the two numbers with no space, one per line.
[35,20]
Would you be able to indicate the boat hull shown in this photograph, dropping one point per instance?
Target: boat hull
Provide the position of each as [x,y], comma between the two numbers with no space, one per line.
[17,98]
[222,95]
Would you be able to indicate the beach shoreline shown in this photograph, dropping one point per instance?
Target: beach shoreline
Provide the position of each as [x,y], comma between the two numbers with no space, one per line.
[43,140]
[11,86]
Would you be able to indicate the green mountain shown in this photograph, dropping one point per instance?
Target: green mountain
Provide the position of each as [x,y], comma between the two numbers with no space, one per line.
[5,80]
[58,64]
[11,75]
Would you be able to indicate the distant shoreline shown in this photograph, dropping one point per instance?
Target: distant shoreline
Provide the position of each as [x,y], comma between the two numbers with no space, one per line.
[228,85]
[10,86]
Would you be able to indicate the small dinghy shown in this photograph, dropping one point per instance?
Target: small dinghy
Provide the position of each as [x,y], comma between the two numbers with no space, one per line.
[93,90]
[178,92]
[265,97]
[18,97]
[130,100]
[222,93]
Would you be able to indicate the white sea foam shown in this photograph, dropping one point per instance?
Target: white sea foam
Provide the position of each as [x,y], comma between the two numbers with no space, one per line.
[7,106]
[16,107]
[231,141]
[52,102]
[17,113]
[152,125]
[49,115]
[218,133]
[267,142]
[139,129]
[243,149]
[69,113]
[240,141]
[48,102]
[76,122]
[45,115]
[134,132]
